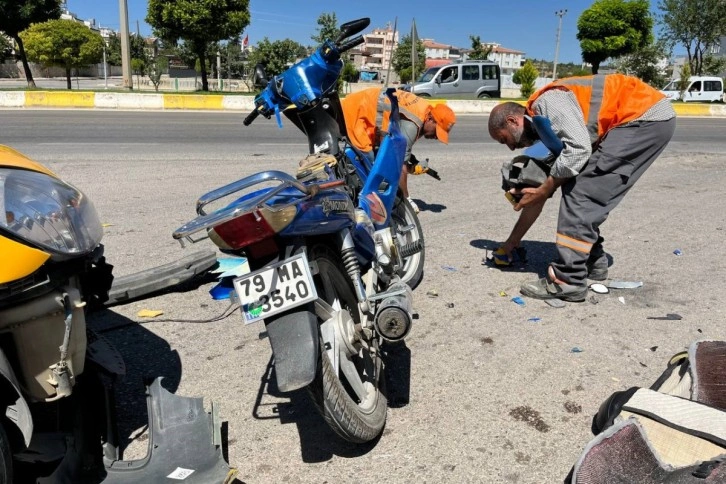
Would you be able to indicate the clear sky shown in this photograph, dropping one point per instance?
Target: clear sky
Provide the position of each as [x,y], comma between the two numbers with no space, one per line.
[529,26]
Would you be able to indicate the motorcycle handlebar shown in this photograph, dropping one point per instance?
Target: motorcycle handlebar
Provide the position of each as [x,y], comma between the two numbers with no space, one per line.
[349,44]
[251,117]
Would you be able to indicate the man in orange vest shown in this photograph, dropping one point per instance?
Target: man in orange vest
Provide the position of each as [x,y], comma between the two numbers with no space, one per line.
[366,115]
[613,127]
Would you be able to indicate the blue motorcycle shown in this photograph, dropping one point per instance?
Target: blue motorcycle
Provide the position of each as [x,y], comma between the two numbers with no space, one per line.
[334,250]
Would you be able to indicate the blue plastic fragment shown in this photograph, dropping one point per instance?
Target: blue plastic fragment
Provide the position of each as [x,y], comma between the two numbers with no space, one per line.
[534,320]
[449,268]
[223,289]
[518,300]
[678,252]
[576,349]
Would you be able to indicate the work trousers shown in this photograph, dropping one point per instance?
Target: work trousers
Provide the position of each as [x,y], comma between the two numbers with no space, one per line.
[617,163]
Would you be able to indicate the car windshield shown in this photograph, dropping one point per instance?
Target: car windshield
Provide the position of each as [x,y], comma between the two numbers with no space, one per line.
[428,74]
[671,86]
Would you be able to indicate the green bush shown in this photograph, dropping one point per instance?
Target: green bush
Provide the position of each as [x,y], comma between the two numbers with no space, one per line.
[525,77]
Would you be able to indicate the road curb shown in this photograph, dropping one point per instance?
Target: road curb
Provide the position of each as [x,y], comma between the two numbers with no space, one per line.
[220,102]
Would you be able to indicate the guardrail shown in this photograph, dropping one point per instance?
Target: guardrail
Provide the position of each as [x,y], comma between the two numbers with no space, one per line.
[219,102]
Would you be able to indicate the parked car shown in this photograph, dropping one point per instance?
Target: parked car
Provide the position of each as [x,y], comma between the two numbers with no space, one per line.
[700,88]
[464,80]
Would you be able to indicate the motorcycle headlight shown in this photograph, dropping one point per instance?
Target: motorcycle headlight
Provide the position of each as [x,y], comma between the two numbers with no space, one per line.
[48,213]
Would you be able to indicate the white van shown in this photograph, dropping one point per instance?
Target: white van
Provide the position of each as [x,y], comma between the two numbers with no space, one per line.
[469,79]
[700,88]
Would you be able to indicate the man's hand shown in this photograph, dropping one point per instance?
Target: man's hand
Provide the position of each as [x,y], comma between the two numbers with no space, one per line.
[538,196]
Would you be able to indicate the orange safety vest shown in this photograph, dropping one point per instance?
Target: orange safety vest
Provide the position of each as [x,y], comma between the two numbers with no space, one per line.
[366,112]
[607,101]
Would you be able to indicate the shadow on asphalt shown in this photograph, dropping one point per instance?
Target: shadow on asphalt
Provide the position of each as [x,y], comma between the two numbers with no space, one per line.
[146,357]
[318,442]
[429,207]
[539,255]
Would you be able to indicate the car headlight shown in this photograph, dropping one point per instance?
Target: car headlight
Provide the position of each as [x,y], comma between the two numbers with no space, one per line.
[48,213]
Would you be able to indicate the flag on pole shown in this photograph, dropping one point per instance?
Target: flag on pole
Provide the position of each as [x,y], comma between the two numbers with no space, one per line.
[414,50]
[246,42]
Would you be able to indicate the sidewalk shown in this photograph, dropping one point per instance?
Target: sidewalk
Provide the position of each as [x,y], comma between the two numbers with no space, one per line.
[238,103]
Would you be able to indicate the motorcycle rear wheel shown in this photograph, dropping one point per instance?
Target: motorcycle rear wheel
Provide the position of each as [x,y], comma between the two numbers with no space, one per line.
[6,458]
[403,215]
[350,400]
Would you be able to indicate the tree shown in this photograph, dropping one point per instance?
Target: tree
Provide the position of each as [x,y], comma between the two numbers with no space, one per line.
[18,15]
[613,28]
[327,28]
[713,66]
[402,56]
[525,77]
[276,56]
[644,64]
[198,23]
[684,76]
[154,69]
[478,51]
[6,48]
[694,24]
[63,43]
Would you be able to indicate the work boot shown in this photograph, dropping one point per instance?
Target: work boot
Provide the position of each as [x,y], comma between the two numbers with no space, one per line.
[551,288]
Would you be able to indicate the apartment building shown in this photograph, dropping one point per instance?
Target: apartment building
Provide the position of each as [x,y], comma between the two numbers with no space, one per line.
[374,54]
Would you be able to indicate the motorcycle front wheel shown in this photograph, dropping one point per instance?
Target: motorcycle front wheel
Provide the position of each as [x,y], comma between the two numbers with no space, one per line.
[6,458]
[350,398]
[405,223]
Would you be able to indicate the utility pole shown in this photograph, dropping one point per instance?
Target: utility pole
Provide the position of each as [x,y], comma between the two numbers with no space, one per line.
[125,51]
[559,13]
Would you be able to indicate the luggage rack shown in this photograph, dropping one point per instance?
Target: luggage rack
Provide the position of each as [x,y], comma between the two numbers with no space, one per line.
[206,221]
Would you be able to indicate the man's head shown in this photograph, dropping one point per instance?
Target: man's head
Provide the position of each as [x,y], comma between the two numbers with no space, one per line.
[439,122]
[507,125]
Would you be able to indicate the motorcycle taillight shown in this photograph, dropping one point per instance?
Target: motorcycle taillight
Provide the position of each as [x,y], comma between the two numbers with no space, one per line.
[252,227]
[241,231]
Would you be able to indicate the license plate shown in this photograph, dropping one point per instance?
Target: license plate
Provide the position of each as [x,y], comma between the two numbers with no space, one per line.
[275,289]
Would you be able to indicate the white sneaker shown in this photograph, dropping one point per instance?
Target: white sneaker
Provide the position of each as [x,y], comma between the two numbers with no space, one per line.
[413,204]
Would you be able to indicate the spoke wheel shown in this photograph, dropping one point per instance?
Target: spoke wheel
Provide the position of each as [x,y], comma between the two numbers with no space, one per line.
[347,388]
[405,223]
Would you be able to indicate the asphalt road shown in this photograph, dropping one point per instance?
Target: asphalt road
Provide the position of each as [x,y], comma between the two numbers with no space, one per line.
[492,396]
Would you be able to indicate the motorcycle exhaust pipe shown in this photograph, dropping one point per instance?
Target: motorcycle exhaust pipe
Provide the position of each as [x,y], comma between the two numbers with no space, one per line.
[393,318]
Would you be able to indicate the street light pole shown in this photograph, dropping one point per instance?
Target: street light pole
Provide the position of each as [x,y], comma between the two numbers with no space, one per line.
[559,13]
[105,72]
[125,51]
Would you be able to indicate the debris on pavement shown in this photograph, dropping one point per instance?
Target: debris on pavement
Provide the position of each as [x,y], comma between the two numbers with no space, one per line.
[653,348]
[534,320]
[449,268]
[621,299]
[594,300]
[599,288]
[432,293]
[667,317]
[576,349]
[624,284]
[503,294]
[449,305]
[149,313]
[678,252]
[518,300]
[556,303]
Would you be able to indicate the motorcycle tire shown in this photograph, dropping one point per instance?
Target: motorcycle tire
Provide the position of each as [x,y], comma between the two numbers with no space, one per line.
[403,215]
[6,458]
[356,416]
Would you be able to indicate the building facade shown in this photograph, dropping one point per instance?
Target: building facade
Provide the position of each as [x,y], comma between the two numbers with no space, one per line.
[374,54]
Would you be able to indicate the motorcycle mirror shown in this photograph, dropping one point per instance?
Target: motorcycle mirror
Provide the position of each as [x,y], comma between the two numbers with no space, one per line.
[352,28]
[260,77]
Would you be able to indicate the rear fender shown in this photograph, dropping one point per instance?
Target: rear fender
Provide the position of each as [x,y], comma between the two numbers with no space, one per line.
[16,410]
[294,340]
